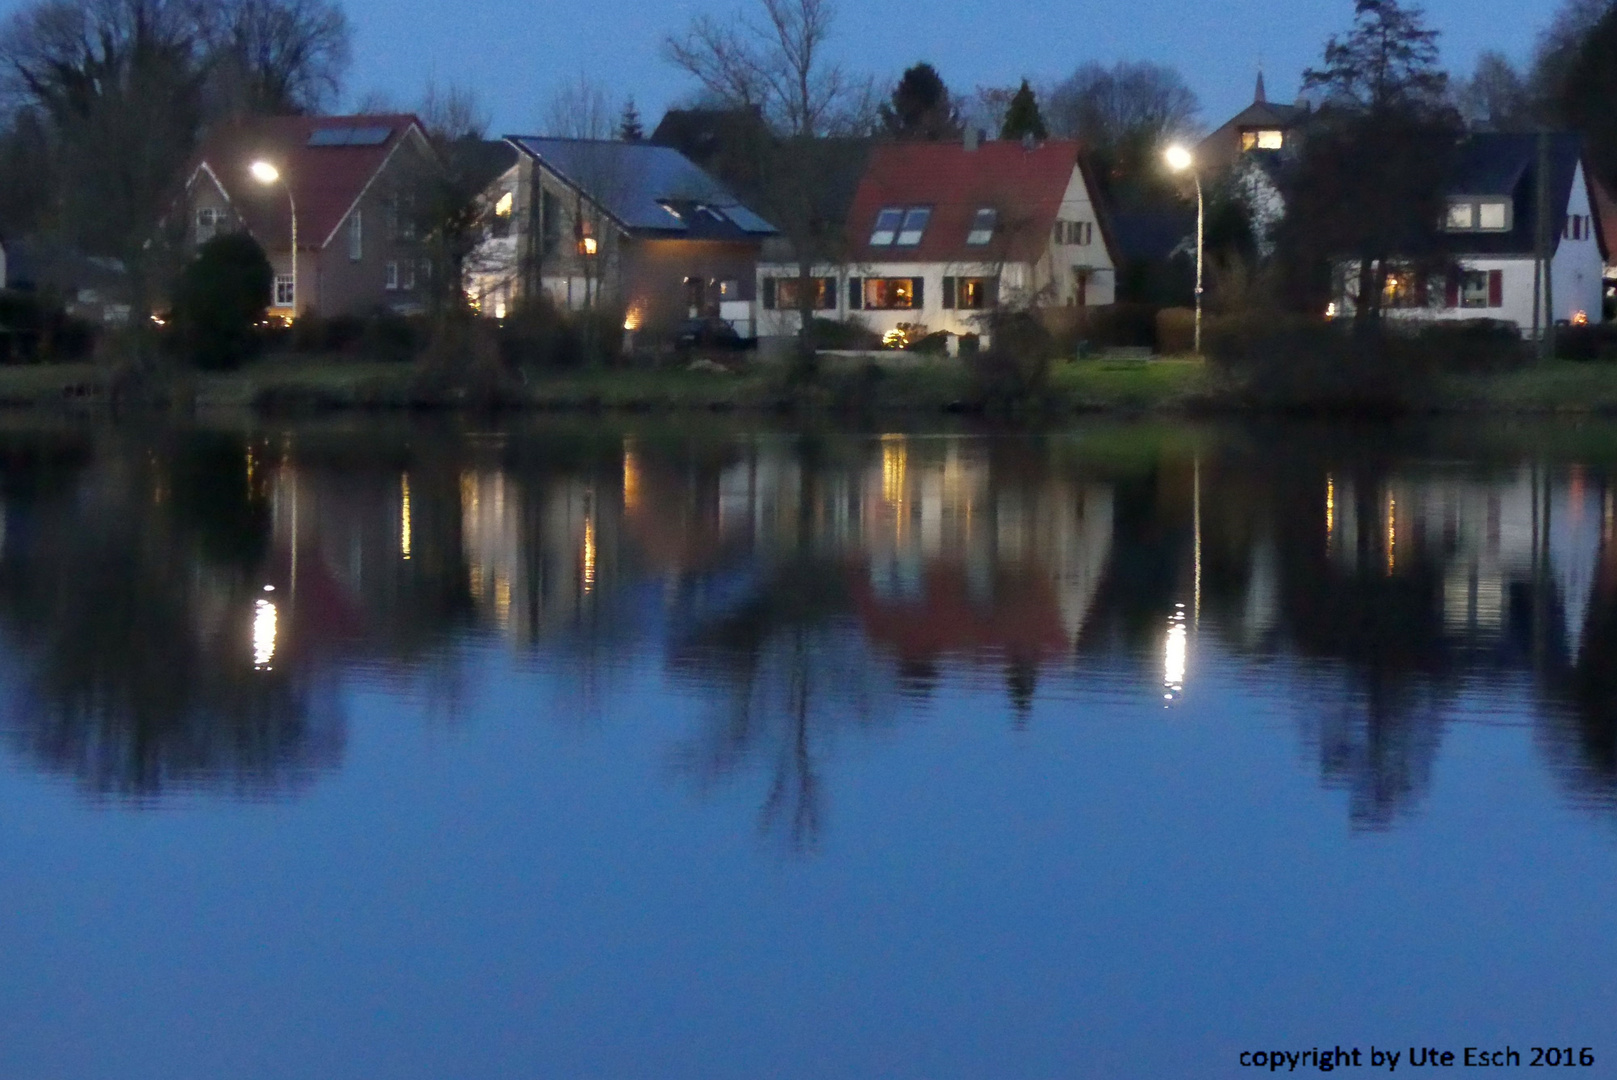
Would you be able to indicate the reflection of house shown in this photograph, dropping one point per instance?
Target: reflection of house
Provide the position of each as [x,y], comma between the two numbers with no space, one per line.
[1490,232]
[632,224]
[939,234]
[353,179]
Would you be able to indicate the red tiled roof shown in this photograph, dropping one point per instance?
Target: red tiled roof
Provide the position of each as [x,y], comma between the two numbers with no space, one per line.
[325,180]
[1024,185]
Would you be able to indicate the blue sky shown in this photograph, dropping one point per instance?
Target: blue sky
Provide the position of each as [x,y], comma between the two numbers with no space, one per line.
[515,54]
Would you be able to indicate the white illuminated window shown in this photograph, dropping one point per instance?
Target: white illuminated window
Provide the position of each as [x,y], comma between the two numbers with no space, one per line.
[887,223]
[1462,215]
[285,291]
[1271,140]
[982,227]
[915,219]
[1493,215]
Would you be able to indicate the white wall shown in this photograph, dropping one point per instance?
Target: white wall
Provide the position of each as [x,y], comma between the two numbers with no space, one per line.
[1055,269]
[930,314]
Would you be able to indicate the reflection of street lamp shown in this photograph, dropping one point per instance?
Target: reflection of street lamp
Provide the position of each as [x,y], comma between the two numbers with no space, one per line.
[1180,160]
[267,174]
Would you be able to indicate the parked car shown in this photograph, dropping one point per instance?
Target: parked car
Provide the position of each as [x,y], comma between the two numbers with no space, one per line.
[711,332]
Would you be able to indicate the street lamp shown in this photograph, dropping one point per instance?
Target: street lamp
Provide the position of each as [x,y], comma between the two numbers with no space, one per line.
[268,174]
[1180,160]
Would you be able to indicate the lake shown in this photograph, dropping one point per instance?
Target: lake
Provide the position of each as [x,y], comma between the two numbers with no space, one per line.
[562,747]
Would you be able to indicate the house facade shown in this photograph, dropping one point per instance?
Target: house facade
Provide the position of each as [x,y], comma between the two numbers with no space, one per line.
[1490,237]
[596,223]
[353,181]
[941,235]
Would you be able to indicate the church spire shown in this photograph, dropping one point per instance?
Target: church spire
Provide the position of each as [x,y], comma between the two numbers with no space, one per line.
[1260,98]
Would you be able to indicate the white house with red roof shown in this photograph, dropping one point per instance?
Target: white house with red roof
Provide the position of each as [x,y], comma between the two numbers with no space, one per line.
[939,235]
[348,177]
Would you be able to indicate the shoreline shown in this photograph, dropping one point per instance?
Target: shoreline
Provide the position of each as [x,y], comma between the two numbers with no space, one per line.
[1169,387]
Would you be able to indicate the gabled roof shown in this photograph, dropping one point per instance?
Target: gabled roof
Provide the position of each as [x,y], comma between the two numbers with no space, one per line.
[326,178]
[1023,184]
[1505,164]
[647,189]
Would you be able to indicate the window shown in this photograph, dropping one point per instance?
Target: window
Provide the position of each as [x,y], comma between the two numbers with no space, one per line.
[982,227]
[356,237]
[893,294]
[915,219]
[731,289]
[780,294]
[1579,227]
[392,277]
[207,224]
[1403,290]
[1466,215]
[503,210]
[285,291]
[1078,233]
[887,223]
[1263,139]
[1462,215]
[970,294]
[1493,215]
[1477,289]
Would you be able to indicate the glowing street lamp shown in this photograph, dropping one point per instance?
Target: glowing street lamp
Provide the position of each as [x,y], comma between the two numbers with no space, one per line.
[1181,160]
[268,175]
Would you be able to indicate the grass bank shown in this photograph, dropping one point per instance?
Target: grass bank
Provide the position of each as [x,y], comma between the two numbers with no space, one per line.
[1167,386]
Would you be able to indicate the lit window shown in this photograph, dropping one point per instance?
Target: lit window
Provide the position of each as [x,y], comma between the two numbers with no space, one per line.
[915,219]
[781,293]
[1474,289]
[1493,215]
[886,230]
[503,207]
[1462,215]
[285,291]
[501,226]
[892,294]
[1249,140]
[356,237]
[970,294]
[982,227]
[1271,140]
[392,276]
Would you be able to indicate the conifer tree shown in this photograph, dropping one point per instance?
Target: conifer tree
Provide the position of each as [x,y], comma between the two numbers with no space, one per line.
[629,128]
[1023,117]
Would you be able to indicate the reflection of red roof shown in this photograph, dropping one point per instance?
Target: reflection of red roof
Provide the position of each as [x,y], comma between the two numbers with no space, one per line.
[1023,620]
[322,611]
[1024,185]
[326,181]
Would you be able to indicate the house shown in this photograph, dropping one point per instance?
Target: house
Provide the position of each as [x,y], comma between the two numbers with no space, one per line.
[1490,236]
[626,224]
[1262,128]
[940,234]
[352,180]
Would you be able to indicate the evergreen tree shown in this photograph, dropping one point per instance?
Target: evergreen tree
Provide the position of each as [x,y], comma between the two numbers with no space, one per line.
[1587,93]
[1023,117]
[921,107]
[629,129]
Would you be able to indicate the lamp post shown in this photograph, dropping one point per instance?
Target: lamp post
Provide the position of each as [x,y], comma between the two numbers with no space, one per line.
[1180,160]
[268,174]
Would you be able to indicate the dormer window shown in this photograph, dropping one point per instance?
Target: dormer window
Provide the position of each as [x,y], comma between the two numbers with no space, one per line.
[887,223]
[1263,139]
[1477,215]
[915,219]
[982,227]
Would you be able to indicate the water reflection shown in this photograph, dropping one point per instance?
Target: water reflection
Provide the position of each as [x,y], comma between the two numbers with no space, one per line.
[180,608]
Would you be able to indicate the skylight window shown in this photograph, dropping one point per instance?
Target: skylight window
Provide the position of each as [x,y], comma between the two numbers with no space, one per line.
[982,227]
[915,219]
[886,230]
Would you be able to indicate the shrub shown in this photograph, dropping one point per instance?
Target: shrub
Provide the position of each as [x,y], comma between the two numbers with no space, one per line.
[1303,363]
[1471,345]
[1116,326]
[220,301]
[35,328]
[1176,330]
[854,334]
[1015,368]
[934,344]
[1591,342]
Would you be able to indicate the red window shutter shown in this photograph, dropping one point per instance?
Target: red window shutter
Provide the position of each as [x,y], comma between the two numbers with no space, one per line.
[1496,288]
[1451,290]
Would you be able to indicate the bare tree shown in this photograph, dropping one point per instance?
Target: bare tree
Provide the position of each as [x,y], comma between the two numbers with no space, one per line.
[1496,97]
[580,109]
[281,56]
[773,59]
[1122,104]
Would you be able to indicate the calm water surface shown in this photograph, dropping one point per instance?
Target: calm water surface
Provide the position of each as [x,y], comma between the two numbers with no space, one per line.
[567,749]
